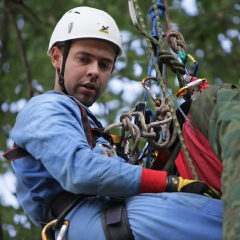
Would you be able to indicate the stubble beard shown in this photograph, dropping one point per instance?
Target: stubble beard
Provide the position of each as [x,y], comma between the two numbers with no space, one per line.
[86,100]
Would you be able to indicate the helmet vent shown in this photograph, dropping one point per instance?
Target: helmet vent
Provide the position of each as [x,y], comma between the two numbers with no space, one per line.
[70,26]
[74,12]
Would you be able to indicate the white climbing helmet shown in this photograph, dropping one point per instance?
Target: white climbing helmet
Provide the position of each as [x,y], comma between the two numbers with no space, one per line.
[86,22]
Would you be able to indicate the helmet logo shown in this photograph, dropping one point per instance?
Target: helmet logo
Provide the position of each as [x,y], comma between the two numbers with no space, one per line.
[103,28]
[70,26]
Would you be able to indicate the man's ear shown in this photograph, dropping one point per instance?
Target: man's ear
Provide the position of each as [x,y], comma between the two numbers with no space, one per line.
[56,57]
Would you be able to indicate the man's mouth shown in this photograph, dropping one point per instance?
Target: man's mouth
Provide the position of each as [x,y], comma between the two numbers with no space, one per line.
[89,86]
[88,89]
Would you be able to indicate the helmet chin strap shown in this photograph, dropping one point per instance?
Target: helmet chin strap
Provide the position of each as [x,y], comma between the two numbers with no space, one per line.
[61,75]
[61,82]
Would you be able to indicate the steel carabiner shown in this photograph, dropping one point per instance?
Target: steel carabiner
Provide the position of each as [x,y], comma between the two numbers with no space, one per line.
[150,92]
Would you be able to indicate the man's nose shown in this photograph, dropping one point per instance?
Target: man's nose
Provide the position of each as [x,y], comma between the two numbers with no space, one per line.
[93,70]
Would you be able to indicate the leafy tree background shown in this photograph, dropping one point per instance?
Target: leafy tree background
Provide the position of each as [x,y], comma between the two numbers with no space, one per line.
[211,31]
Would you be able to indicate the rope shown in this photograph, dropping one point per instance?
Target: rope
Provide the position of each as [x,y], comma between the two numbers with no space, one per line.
[166,58]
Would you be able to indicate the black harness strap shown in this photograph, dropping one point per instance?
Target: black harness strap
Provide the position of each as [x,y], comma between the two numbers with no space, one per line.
[115,221]
[61,205]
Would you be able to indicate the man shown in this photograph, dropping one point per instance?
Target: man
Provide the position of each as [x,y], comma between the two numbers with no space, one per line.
[59,164]
[215,114]
[211,134]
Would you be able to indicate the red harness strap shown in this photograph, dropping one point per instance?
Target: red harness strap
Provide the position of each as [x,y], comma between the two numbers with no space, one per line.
[86,125]
[15,153]
[208,167]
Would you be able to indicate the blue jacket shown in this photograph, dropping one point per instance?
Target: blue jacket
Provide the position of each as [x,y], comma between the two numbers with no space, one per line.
[50,128]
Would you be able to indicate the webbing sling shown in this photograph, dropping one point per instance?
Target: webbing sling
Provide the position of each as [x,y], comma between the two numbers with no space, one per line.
[115,221]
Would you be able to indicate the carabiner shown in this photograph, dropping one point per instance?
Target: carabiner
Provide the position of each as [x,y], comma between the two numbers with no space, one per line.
[184,57]
[46,227]
[192,85]
[150,92]
[195,64]
[63,230]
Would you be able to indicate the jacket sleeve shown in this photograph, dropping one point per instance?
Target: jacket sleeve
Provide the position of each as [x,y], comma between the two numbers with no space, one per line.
[50,128]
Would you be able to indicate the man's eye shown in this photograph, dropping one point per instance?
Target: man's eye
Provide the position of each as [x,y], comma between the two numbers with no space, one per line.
[105,66]
[83,59]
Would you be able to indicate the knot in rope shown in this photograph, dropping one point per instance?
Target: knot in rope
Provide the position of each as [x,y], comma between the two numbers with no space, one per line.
[126,121]
[172,62]
[135,133]
[163,113]
[176,41]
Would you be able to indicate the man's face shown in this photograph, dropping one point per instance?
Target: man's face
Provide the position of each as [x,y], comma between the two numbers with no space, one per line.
[88,67]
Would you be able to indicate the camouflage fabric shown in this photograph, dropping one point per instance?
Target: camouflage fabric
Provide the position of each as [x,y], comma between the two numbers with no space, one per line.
[216,113]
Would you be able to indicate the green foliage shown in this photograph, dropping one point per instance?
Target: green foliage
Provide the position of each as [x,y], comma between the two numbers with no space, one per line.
[18,226]
[202,32]
[25,65]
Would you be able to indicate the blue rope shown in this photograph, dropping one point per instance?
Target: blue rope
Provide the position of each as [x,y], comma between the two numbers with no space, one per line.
[154,33]
[161,11]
